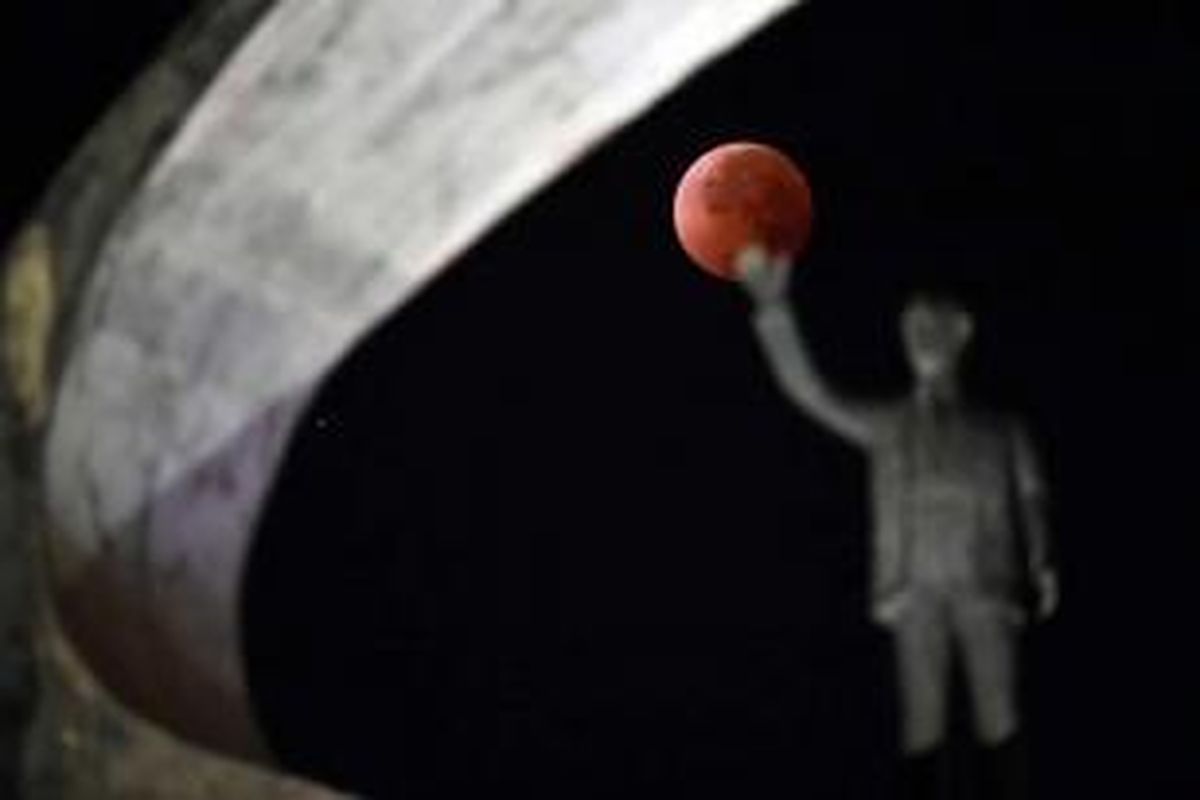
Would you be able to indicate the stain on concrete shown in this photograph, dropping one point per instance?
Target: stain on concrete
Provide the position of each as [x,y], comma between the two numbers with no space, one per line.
[30,303]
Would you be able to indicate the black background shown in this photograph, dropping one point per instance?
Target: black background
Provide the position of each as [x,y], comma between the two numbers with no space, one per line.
[552,524]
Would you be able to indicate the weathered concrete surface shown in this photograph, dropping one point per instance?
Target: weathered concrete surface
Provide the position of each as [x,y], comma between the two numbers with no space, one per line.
[17,688]
[346,153]
[196,295]
[85,746]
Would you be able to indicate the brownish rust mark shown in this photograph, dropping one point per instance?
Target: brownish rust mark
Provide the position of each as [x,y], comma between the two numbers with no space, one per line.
[29,310]
[104,614]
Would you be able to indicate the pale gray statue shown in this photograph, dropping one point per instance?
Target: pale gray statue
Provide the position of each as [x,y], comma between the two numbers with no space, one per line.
[959,512]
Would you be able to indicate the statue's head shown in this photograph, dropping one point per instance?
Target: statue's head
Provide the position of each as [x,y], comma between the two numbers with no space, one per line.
[935,329]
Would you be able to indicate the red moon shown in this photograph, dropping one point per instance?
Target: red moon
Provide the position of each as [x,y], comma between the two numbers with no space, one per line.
[737,195]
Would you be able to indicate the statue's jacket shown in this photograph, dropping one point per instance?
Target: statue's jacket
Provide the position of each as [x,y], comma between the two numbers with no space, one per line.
[980,555]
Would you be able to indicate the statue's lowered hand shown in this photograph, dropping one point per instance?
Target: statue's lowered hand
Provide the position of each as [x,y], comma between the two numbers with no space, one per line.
[887,611]
[1047,593]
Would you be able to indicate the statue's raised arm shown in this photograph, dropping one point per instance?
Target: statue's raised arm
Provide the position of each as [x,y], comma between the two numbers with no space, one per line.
[787,353]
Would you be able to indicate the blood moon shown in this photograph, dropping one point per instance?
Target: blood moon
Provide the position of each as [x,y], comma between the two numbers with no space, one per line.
[737,195]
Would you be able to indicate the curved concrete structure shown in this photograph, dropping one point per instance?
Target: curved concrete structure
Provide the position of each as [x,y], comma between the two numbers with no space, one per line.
[322,161]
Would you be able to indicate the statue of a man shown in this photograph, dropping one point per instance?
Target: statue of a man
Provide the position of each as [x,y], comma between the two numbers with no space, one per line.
[959,520]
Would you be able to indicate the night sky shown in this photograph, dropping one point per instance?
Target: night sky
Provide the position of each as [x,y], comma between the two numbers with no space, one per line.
[552,524]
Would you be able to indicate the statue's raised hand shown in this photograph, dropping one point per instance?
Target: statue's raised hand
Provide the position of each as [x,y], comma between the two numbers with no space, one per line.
[765,280]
